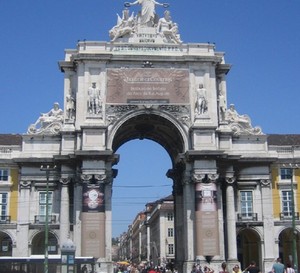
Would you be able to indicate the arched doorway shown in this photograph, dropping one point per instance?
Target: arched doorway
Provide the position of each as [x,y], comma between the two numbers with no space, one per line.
[248,247]
[5,244]
[286,245]
[38,244]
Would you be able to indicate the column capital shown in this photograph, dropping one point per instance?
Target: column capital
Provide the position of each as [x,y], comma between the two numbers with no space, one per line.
[25,184]
[86,177]
[230,180]
[65,181]
[202,177]
[265,183]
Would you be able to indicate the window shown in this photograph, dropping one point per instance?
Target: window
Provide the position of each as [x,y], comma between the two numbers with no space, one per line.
[287,203]
[3,175]
[286,173]
[170,216]
[43,205]
[170,232]
[3,206]
[246,204]
[171,248]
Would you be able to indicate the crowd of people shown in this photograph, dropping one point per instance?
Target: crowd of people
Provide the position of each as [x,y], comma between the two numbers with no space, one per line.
[278,267]
[146,268]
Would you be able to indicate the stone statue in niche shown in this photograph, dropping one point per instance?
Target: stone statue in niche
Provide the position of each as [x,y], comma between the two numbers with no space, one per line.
[147,16]
[167,29]
[201,101]
[48,122]
[125,26]
[94,99]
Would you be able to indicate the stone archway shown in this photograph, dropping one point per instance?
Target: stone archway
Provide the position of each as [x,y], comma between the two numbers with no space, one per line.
[167,132]
[38,244]
[286,245]
[5,244]
[153,126]
[248,247]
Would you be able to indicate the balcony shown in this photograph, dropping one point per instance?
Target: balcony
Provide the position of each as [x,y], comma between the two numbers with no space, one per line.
[41,219]
[287,216]
[4,219]
[245,217]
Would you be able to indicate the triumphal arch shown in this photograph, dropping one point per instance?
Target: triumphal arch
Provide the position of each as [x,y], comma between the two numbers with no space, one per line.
[147,83]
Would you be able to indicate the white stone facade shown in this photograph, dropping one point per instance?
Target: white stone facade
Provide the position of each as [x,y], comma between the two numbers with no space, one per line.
[145,84]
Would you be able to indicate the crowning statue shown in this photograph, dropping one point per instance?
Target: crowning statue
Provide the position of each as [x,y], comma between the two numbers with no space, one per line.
[50,122]
[147,16]
[147,22]
[167,29]
[125,25]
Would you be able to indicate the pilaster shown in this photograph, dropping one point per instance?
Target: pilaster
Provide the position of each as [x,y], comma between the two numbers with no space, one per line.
[23,219]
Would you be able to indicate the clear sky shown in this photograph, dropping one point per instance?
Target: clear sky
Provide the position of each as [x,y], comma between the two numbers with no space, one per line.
[260,38]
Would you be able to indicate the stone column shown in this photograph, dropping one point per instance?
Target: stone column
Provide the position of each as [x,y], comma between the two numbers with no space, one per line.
[231,220]
[188,205]
[64,226]
[206,216]
[93,216]
[176,175]
[23,220]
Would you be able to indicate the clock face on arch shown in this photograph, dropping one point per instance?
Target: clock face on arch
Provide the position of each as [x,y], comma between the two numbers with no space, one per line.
[93,199]
[93,195]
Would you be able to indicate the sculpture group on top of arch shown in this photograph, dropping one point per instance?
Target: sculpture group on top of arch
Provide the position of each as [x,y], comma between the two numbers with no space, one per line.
[130,25]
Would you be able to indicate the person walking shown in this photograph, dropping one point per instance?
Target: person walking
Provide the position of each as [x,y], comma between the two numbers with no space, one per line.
[278,267]
[252,268]
[289,268]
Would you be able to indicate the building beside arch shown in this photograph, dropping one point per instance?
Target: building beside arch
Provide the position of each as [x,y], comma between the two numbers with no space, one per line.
[233,185]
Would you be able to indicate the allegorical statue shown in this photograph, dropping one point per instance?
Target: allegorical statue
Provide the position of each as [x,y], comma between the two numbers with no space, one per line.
[166,28]
[147,15]
[240,124]
[125,25]
[48,122]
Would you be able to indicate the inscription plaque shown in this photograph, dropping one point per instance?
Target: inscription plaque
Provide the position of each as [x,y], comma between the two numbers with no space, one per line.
[147,86]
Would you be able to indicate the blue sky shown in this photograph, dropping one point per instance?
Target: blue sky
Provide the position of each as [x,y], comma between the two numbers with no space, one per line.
[260,38]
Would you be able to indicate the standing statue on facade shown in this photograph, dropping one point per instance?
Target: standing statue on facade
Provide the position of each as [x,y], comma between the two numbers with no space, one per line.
[94,99]
[125,26]
[70,107]
[201,102]
[48,122]
[147,16]
[222,105]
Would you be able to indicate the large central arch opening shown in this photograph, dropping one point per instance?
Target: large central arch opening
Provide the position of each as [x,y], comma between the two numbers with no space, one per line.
[148,146]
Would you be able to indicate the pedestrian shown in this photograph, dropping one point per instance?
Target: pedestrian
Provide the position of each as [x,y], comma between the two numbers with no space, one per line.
[236,269]
[278,267]
[252,268]
[289,268]
[224,268]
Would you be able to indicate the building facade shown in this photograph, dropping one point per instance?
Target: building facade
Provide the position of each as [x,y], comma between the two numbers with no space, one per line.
[146,83]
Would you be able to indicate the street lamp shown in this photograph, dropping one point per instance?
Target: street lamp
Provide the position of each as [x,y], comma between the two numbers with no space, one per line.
[47,169]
